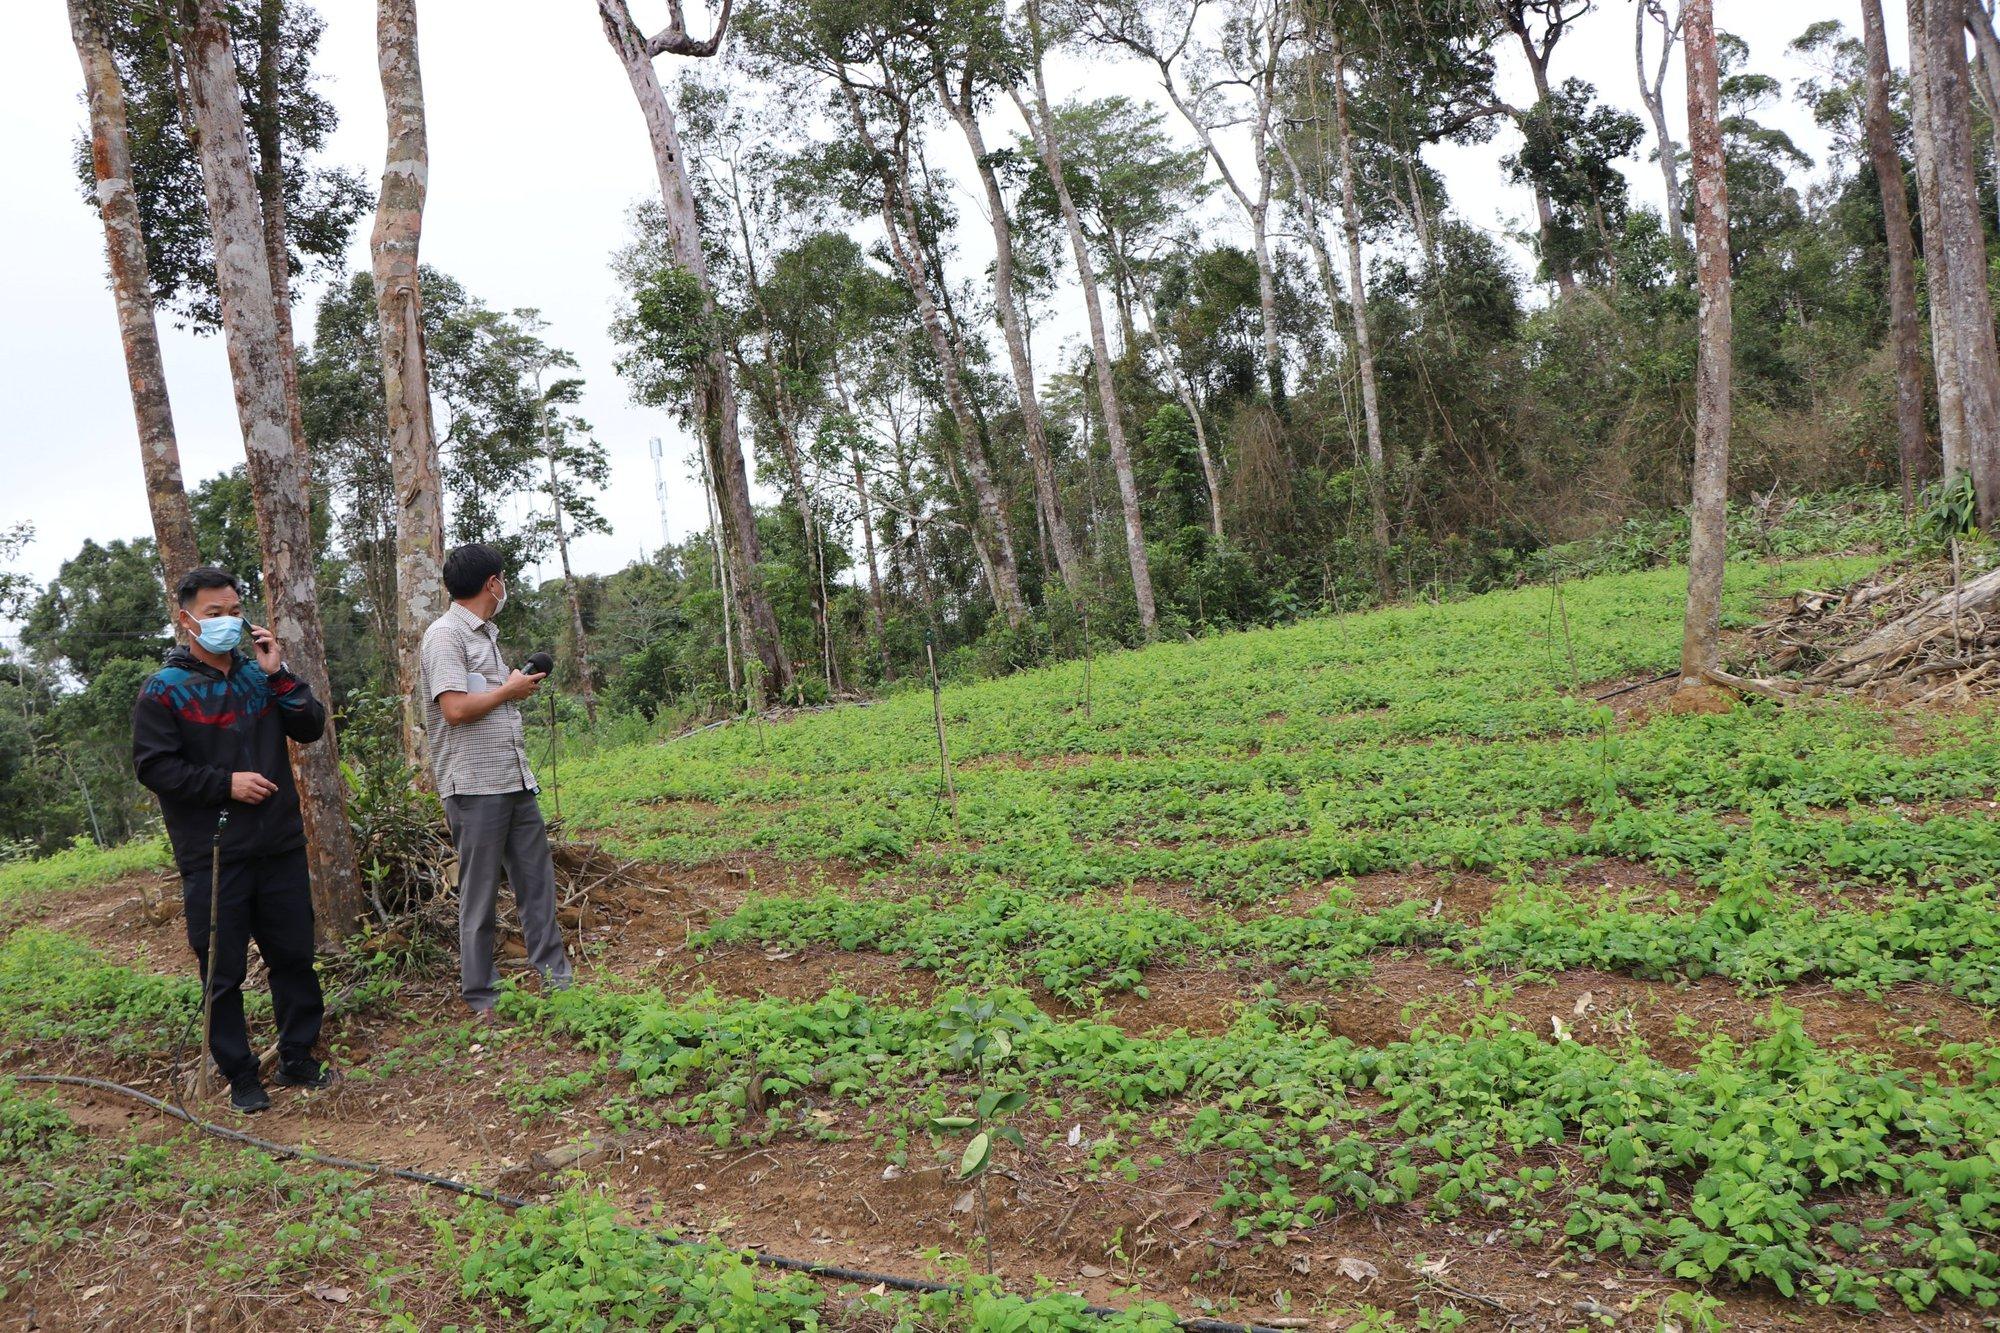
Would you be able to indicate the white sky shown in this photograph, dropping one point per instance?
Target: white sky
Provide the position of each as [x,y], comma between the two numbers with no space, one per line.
[537,152]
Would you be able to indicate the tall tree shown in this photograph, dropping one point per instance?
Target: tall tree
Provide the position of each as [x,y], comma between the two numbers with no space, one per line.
[406,384]
[265,115]
[1258,33]
[1652,91]
[740,172]
[1708,537]
[1887,160]
[960,77]
[1943,131]
[247,293]
[714,384]
[1133,185]
[1539,25]
[1937,256]
[1046,130]
[575,462]
[132,291]
[1364,345]
[910,249]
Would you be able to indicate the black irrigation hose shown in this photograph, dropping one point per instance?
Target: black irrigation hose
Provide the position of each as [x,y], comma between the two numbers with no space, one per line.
[772,1261]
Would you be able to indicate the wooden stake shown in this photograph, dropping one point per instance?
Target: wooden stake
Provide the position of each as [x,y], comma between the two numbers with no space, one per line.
[937,714]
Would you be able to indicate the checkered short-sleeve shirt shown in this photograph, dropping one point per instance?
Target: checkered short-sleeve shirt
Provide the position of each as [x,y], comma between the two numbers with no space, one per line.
[485,756]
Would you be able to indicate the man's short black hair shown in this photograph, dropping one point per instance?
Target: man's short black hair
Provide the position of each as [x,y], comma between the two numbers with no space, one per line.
[200,579]
[467,567]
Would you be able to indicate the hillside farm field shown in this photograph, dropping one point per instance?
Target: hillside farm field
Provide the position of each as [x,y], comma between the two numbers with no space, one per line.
[1368,972]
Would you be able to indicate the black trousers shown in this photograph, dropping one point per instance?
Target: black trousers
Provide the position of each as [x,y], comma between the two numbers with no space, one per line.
[267,899]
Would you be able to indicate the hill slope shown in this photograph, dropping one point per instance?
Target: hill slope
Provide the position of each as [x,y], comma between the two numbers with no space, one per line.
[1364,963]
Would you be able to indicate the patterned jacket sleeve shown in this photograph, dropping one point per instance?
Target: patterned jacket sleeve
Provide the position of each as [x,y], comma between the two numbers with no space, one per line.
[157,758]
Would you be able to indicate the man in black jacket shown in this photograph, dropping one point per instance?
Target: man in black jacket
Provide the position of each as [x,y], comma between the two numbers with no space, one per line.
[208,737]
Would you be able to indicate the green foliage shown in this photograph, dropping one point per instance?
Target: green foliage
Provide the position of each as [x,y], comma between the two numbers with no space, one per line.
[54,988]
[1951,508]
[82,865]
[667,329]
[573,1264]
[104,604]
[1281,1098]
[399,825]
[1246,767]
[322,203]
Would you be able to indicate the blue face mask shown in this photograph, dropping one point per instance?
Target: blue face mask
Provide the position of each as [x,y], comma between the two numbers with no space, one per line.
[220,634]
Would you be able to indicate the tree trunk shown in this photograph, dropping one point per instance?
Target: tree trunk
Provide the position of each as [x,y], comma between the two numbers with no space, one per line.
[1653,93]
[268,128]
[583,676]
[778,403]
[1302,199]
[1260,215]
[1708,537]
[1420,218]
[1069,562]
[1912,446]
[991,540]
[1100,350]
[132,291]
[413,448]
[783,418]
[1980,22]
[1964,238]
[1937,257]
[1357,300]
[276,455]
[715,391]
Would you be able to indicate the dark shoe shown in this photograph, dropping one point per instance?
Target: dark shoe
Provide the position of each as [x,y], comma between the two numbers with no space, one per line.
[305,1074]
[249,1097]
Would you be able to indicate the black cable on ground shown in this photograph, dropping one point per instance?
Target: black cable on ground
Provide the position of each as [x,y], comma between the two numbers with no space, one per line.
[772,1261]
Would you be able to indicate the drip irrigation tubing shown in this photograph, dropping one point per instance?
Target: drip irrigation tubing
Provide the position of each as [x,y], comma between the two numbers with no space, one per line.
[777,1262]
[1630,686]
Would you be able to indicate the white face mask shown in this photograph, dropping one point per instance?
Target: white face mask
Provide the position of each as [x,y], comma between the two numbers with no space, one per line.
[501,600]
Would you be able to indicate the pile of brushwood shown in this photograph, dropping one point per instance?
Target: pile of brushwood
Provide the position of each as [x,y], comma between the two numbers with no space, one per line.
[1922,631]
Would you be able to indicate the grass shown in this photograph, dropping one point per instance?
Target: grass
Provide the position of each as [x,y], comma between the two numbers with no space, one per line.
[82,865]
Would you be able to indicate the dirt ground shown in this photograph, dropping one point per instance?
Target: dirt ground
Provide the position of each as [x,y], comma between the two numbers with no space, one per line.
[420,1091]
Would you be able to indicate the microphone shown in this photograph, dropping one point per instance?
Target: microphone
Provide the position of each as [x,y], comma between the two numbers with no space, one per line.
[539,663]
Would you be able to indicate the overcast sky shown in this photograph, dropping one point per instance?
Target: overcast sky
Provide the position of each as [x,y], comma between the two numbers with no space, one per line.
[537,154]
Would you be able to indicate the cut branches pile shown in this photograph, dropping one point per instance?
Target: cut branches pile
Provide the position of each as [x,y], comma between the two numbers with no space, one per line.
[1916,632]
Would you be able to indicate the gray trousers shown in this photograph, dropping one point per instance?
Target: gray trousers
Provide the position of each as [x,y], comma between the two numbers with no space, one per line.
[494,833]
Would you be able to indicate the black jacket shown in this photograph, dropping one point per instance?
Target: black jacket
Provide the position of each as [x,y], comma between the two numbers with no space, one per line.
[193,727]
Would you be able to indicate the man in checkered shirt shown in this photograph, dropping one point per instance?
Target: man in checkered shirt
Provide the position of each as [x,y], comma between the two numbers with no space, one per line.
[472,716]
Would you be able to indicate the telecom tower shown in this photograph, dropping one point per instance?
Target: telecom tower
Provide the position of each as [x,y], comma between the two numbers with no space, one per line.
[660,491]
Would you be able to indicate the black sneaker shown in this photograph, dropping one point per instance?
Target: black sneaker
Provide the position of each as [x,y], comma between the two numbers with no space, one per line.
[249,1097]
[305,1074]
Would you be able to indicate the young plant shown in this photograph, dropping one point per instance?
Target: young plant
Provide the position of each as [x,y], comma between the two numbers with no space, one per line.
[981,1033]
